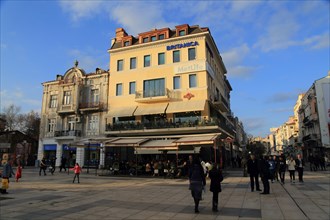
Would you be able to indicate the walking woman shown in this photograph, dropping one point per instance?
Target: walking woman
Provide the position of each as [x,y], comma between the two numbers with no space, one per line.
[77,171]
[292,169]
[197,181]
[216,177]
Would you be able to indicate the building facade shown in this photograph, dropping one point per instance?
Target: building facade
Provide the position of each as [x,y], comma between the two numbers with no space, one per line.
[166,94]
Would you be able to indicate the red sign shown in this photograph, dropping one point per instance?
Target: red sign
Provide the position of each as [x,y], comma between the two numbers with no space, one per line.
[188,96]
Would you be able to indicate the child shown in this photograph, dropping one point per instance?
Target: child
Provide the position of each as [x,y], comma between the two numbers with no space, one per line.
[18,172]
[77,170]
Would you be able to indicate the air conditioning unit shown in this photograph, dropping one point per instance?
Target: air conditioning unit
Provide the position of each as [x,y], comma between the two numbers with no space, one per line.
[78,119]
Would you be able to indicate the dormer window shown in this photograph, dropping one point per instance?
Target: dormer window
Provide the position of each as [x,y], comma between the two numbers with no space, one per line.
[145,39]
[182,33]
[126,43]
[161,36]
[153,38]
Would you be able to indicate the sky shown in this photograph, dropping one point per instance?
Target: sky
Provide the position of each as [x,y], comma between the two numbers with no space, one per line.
[272,50]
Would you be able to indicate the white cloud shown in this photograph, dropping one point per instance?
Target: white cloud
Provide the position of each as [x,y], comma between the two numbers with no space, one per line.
[88,59]
[3,46]
[139,16]
[18,98]
[81,9]
[318,42]
[233,60]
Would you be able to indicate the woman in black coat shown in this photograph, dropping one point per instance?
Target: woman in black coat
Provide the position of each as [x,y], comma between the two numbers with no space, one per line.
[197,181]
[216,177]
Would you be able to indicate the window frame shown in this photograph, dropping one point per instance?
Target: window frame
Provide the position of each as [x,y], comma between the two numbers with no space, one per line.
[119,92]
[174,82]
[130,63]
[144,60]
[120,67]
[53,101]
[159,63]
[192,84]
[189,55]
[174,56]
[130,88]
[67,97]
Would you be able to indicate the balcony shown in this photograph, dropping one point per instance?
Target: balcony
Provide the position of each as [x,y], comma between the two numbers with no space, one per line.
[221,104]
[142,96]
[91,106]
[66,133]
[310,137]
[161,126]
[63,109]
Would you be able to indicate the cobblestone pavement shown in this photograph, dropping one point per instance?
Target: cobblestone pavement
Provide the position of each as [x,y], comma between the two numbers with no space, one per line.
[102,197]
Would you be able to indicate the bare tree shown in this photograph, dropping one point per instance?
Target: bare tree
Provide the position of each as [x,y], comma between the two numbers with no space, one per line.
[32,124]
[11,115]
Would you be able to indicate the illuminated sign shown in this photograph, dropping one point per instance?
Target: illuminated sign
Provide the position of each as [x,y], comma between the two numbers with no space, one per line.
[179,46]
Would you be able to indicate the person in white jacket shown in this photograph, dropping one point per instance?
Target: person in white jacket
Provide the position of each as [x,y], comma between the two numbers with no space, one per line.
[292,169]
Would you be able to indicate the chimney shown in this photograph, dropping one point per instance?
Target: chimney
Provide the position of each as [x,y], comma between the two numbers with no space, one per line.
[120,33]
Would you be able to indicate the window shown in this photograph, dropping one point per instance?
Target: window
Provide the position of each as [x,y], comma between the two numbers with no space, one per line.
[155,87]
[53,101]
[161,58]
[146,60]
[176,82]
[126,43]
[192,81]
[51,125]
[145,39]
[133,63]
[119,89]
[120,65]
[67,98]
[161,36]
[132,88]
[153,38]
[191,54]
[71,123]
[95,96]
[176,56]
[93,121]
[182,33]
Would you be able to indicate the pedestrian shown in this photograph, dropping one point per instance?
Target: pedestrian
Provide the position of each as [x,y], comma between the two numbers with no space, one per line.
[197,181]
[7,172]
[253,171]
[282,168]
[63,163]
[52,165]
[311,162]
[18,174]
[300,163]
[272,167]
[277,167]
[77,170]
[265,174]
[292,169]
[216,177]
[43,166]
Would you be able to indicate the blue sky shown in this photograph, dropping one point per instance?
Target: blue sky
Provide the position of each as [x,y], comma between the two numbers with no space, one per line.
[273,50]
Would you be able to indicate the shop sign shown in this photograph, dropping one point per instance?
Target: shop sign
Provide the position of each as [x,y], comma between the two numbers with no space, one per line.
[179,46]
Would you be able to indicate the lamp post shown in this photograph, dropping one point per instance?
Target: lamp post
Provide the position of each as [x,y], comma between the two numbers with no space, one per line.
[89,155]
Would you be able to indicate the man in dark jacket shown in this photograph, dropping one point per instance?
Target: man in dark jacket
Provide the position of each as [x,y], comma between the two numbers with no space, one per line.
[265,174]
[253,170]
[7,172]
[197,181]
[216,177]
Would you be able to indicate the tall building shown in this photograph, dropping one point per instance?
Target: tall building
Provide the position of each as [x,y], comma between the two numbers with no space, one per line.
[167,95]
[315,118]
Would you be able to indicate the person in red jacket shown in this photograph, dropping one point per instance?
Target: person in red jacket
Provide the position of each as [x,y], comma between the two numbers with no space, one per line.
[18,172]
[77,171]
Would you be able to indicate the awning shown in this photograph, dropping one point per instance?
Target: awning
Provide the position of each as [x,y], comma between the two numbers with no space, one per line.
[200,139]
[159,145]
[150,109]
[125,142]
[122,111]
[186,106]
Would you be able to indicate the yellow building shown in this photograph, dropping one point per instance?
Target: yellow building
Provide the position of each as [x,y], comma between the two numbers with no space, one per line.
[168,82]
[166,94]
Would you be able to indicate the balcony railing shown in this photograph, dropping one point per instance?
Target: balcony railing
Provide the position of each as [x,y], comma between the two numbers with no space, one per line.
[94,105]
[74,133]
